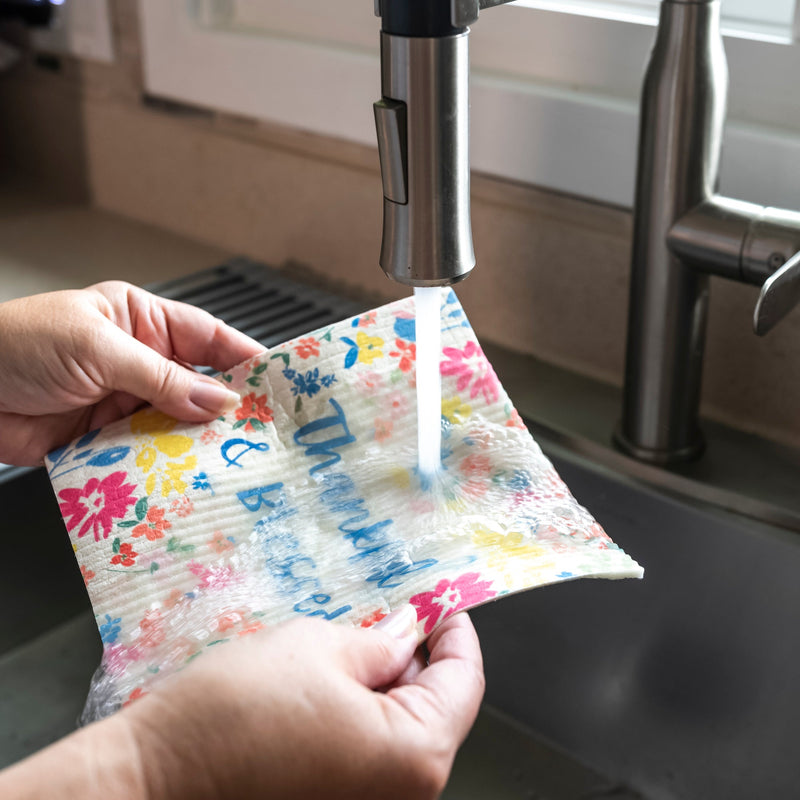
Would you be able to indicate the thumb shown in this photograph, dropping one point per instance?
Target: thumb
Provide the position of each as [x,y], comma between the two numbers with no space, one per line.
[376,657]
[170,387]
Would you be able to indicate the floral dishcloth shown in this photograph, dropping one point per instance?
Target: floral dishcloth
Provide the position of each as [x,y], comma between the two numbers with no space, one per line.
[306,500]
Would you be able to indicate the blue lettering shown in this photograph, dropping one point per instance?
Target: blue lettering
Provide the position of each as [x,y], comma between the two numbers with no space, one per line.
[260,497]
[245,446]
[320,600]
[328,447]
[397,569]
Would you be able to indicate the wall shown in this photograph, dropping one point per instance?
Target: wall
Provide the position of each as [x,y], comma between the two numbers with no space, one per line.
[552,270]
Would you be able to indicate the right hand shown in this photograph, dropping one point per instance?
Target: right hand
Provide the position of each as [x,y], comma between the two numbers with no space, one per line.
[296,712]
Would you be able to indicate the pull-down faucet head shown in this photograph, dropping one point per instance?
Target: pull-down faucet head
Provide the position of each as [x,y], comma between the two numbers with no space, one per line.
[423,139]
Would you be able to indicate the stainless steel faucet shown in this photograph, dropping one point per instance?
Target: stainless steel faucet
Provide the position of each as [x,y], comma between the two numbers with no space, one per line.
[423,139]
[683,231]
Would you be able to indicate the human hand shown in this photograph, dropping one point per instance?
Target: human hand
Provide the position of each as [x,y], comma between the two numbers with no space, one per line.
[293,712]
[72,361]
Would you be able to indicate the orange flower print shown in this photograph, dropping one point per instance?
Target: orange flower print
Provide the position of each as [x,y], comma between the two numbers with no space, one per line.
[210,437]
[406,352]
[220,543]
[135,695]
[366,319]
[126,555]
[152,629]
[383,429]
[87,574]
[253,413]
[182,506]
[307,347]
[153,526]
[173,598]
[230,620]
[373,618]
[515,420]
[251,628]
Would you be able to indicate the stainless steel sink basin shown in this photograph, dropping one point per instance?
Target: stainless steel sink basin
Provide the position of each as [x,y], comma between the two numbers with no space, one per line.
[683,685]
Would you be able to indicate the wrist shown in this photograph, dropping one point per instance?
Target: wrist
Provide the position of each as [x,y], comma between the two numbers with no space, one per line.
[99,761]
[173,750]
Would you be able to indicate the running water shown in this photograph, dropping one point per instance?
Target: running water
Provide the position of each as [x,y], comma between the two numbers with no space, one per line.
[429,381]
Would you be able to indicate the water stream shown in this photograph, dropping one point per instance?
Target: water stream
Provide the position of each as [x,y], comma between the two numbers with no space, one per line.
[429,381]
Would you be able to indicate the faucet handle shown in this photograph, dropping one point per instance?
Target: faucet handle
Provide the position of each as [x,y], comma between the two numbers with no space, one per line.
[779,295]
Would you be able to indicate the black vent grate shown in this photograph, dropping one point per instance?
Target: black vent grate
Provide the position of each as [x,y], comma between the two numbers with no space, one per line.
[256,299]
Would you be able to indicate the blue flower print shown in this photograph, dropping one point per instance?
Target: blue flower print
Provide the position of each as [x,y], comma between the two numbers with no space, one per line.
[202,482]
[110,629]
[308,383]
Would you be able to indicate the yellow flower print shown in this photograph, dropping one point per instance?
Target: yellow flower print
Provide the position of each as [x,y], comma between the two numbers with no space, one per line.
[368,347]
[173,477]
[155,428]
[454,411]
[512,555]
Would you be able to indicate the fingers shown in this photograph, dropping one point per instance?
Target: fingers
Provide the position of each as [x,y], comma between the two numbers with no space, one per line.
[376,657]
[24,441]
[176,330]
[447,695]
[137,369]
[410,674]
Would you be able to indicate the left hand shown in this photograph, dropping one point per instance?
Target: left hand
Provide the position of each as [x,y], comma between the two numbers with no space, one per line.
[72,361]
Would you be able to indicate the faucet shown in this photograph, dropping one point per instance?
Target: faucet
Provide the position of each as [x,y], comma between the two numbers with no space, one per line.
[683,231]
[422,122]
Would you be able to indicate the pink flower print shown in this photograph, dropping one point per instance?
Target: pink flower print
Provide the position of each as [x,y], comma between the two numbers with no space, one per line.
[153,526]
[182,506]
[470,366]
[406,352]
[474,488]
[117,657]
[87,574]
[97,504]
[475,465]
[383,429]
[307,347]
[213,577]
[451,596]
[369,383]
[210,436]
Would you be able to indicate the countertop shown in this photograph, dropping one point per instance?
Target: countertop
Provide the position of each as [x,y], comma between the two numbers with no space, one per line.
[47,244]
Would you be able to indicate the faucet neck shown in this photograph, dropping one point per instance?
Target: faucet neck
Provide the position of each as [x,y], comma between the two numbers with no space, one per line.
[680,136]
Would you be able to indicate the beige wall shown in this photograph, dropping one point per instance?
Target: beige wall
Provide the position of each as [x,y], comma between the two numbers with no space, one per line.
[552,271]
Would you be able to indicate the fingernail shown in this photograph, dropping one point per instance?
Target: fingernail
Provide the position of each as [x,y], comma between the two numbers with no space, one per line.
[213,396]
[400,623]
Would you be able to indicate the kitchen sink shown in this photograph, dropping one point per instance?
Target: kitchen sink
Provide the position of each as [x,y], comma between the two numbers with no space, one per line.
[680,686]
